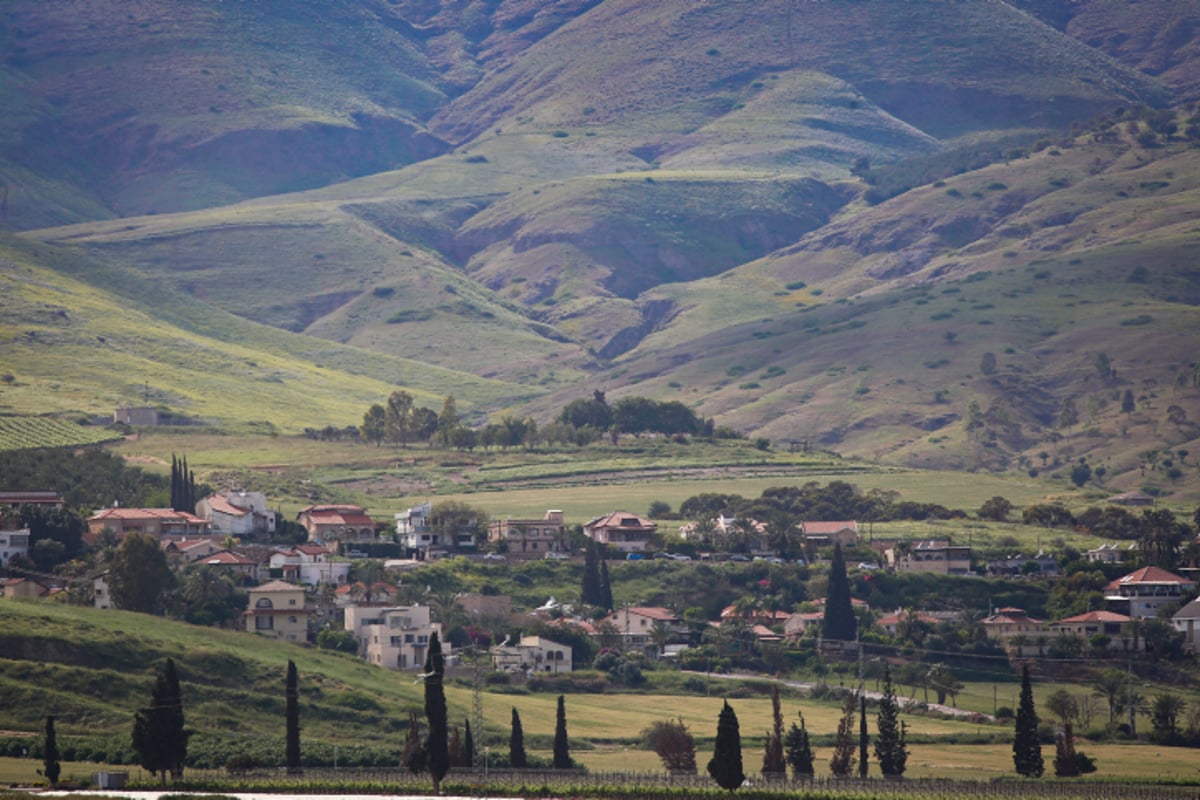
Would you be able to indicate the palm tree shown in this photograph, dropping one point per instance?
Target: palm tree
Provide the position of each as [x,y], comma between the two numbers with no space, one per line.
[1111,685]
[660,634]
[781,534]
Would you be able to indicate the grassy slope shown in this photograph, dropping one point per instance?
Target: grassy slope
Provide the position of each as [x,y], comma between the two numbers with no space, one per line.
[85,337]
[95,689]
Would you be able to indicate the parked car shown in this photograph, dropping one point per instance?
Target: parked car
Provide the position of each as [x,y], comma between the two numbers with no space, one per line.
[555,555]
[634,557]
[739,557]
[494,557]
[680,557]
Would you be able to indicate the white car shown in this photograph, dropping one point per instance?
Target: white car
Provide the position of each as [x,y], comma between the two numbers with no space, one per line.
[493,557]
[554,555]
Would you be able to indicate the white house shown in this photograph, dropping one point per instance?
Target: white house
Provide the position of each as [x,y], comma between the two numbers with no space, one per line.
[1187,622]
[395,637]
[1141,593]
[13,544]
[237,513]
[532,654]
[310,565]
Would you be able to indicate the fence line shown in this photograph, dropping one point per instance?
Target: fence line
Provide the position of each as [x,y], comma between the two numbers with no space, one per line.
[526,781]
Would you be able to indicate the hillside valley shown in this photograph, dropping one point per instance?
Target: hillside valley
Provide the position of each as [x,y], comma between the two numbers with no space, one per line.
[901,234]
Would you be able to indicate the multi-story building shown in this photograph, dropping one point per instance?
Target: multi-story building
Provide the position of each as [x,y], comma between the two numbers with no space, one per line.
[621,530]
[308,564]
[937,557]
[394,637]
[529,538]
[277,609]
[157,522]
[329,524]
[1141,593]
[237,513]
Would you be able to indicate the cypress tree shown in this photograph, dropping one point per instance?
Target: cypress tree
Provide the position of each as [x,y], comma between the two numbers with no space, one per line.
[841,763]
[159,736]
[51,769]
[590,592]
[562,747]
[890,750]
[516,743]
[840,623]
[725,766]
[799,751]
[437,744]
[773,763]
[293,719]
[174,483]
[606,598]
[862,738]
[1027,751]
[414,749]
[468,744]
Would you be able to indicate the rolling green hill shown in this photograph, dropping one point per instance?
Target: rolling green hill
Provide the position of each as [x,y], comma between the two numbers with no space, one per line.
[810,221]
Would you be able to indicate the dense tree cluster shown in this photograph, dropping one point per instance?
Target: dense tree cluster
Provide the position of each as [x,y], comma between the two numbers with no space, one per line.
[634,415]
[91,478]
[836,500]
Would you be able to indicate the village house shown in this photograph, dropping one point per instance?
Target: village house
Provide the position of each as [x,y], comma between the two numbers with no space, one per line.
[635,624]
[308,564]
[1119,628]
[277,609]
[24,588]
[1040,565]
[13,544]
[532,654]
[894,622]
[14,499]
[332,523]
[238,513]
[528,538]
[937,557]
[160,523]
[1141,593]
[1187,621]
[621,530]
[799,624]
[395,637]
[422,539]
[1007,624]
[187,550]
[829,533]
[245,569]
[1109,553]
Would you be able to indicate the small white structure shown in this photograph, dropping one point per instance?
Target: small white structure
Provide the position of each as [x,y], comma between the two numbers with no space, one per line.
[532,654]
[13,544]
[395,637]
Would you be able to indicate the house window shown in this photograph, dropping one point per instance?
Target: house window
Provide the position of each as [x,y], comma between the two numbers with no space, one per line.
[292,620]
[292,601]
[408,638]
[422,640]
[263,602]
[264,624]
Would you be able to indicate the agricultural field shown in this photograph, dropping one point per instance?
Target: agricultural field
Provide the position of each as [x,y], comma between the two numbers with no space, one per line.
[23,432]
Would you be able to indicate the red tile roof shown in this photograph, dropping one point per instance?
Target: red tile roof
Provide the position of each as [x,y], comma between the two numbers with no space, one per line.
[164,514]
[1148,575]
[222,504]
[621,519]
[829,527]
[1096,616]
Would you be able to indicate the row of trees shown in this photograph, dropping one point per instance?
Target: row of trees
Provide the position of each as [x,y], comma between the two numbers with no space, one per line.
[634,415]
[677,749]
